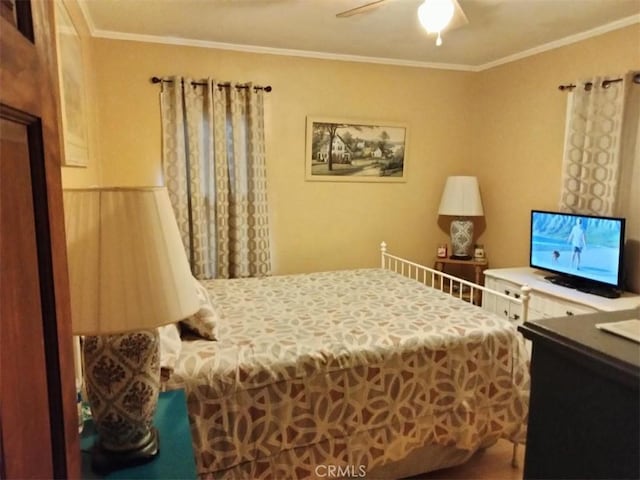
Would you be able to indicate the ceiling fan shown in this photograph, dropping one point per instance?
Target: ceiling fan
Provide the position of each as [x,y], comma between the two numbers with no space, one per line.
[434,15]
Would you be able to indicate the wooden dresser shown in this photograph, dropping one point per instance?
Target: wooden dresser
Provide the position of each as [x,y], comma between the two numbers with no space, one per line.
[584,418]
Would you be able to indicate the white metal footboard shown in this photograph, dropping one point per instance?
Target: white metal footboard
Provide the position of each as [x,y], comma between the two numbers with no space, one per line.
[457,287]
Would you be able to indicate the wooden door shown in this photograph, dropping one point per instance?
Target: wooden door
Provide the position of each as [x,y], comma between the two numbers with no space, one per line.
[38,420]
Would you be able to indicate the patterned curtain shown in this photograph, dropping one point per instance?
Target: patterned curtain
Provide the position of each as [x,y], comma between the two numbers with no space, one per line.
[591,164]
[215,172]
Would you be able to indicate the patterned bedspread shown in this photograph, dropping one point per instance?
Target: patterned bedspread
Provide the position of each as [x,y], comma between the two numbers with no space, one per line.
[348,368]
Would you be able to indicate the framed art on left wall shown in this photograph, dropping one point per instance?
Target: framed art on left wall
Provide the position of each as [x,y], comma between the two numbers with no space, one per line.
[73,104]
[340,150]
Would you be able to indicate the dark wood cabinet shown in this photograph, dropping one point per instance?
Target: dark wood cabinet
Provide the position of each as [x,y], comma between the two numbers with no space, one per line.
[584,418]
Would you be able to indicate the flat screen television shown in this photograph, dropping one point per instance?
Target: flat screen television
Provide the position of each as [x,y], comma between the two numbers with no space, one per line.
[583,251]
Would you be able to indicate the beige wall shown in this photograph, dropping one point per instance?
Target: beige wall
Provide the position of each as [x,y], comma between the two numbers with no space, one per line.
[504,125]
[315,225]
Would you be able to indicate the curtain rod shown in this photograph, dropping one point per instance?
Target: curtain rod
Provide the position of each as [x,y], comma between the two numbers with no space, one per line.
[605,83]
[223,84]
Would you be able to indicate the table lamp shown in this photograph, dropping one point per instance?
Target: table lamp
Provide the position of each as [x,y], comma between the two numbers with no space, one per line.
[461,199]
[128,275]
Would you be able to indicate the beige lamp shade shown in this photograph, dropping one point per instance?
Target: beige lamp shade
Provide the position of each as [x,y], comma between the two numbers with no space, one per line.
[127,265]
[461,197]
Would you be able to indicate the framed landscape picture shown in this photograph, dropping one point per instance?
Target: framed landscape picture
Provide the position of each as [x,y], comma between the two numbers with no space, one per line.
[339,150]
[72,90]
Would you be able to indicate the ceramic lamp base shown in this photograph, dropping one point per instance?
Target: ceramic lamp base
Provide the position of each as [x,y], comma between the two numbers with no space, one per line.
[122,378]
[461,239]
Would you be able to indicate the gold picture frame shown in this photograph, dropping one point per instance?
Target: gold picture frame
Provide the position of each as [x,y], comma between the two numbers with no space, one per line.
[73,104]
[340,150]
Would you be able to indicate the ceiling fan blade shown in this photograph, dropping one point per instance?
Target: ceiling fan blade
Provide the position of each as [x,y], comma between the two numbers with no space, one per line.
[361,9]
[459,18]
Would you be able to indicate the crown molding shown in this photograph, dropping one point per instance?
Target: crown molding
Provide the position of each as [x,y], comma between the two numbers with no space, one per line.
[609,27]
[134,37]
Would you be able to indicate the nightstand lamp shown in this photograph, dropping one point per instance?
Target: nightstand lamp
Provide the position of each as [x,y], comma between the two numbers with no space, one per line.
[128,275]
[461,199]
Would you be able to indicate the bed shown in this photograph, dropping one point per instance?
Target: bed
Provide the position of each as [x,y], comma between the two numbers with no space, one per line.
[378,372]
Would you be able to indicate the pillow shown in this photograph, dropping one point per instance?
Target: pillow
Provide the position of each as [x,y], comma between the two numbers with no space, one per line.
[205,321]
[170,346]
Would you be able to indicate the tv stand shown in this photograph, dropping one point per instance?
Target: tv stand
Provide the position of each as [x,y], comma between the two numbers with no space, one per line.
[547,299]
[583,286]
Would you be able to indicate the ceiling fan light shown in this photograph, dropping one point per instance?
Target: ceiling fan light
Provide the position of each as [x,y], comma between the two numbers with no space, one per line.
[435,15]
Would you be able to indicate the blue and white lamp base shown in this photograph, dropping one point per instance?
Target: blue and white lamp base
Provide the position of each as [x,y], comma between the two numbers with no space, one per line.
[461,239]
[122,374]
